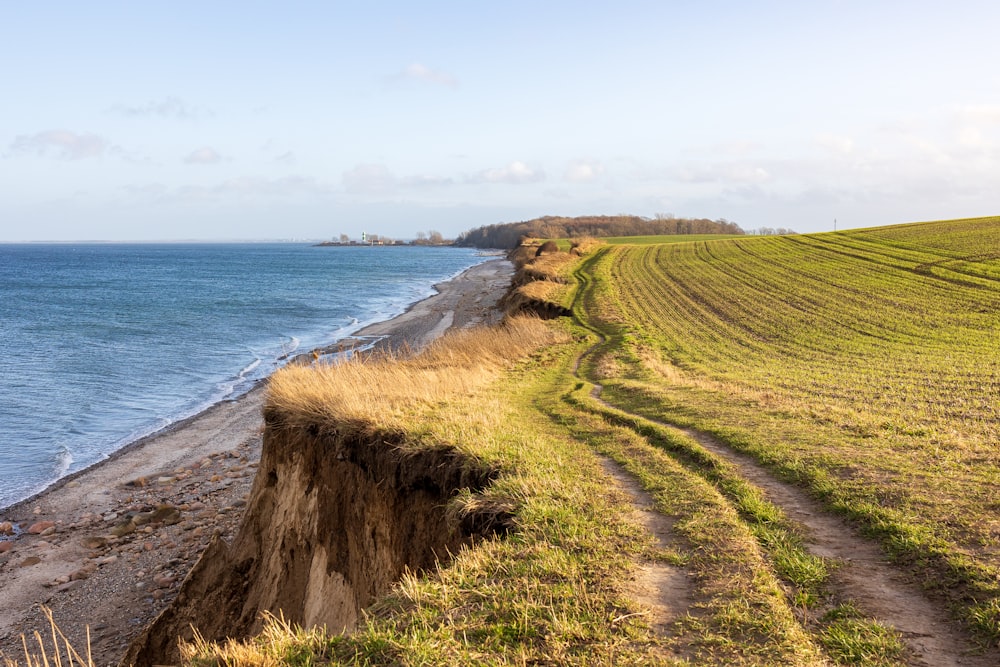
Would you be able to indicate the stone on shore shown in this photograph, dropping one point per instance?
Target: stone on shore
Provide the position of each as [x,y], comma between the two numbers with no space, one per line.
[40,527]
[94,542]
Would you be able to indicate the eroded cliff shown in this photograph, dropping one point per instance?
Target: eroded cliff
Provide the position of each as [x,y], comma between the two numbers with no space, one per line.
[331,523]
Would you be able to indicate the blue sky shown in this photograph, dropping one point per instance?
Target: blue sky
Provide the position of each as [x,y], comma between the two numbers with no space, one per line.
[305,120]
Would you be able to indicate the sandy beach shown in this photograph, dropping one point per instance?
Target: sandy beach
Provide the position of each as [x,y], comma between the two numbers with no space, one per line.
[108,547]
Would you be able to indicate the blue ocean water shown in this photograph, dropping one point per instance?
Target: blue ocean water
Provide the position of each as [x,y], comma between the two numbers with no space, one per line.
[101,344]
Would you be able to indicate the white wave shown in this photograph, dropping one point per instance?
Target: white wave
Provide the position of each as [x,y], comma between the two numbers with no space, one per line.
[64,459]
[252,366]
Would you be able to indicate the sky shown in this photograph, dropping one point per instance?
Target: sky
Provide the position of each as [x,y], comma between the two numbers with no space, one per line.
[306,120]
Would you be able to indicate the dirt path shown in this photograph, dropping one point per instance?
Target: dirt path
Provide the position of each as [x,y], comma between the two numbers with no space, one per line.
[863,574]
[664,589]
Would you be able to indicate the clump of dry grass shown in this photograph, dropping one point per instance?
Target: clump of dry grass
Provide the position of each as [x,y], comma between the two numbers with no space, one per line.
[381,391]
[61,653]
[584,245]
[279,643]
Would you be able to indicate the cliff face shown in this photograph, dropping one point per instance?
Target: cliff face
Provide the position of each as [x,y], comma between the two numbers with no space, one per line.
[330,525]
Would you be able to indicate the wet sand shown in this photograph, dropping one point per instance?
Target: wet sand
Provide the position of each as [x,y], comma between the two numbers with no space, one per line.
[108,546]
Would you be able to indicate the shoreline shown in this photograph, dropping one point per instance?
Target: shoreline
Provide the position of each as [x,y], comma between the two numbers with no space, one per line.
[394,334]
[108,545]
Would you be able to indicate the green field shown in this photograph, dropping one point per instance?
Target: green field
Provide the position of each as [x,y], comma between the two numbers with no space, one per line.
[864,365]
[674,238]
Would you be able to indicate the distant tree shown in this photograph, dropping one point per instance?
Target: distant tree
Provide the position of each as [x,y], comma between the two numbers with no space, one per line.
[435,237]
[344,238]
[509,235]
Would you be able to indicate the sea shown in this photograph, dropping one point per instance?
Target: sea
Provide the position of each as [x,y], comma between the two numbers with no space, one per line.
[103,344]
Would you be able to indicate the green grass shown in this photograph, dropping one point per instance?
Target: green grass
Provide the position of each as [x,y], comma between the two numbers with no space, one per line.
[670,238]
[863,365]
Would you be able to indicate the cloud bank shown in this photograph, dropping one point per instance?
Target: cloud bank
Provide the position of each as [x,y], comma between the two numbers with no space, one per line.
[61,143]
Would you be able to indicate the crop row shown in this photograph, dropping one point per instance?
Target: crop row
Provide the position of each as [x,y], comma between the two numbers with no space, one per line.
[883,346]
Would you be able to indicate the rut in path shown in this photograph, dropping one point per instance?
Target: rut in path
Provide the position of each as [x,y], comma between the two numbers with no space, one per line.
[863,575]
[664,589]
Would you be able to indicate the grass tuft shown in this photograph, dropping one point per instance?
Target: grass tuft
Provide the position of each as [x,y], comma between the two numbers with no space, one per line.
[58,653]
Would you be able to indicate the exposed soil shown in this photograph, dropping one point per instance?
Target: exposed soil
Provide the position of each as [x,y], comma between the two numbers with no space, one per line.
[665,590]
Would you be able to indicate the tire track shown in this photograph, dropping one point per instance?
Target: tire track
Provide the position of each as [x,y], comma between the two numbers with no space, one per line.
[862,573]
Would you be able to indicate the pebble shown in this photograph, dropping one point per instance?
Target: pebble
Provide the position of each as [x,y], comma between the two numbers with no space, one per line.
[29,561]
[124,528]
[166,514]
[163,580]
[6,528]
[41,526]
[94,542]
[6,546]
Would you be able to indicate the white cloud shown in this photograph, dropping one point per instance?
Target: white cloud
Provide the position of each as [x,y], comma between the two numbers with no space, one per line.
[63,143]
[583,171]
[376,178]
[729,173]
[840,145]
[286,186]
[418,72]
[233,188]
[204,155]
[988,113]
[169,107]
[369,178]
[515,173]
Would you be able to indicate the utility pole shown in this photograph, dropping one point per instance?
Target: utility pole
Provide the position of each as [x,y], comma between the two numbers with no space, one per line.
[834,224]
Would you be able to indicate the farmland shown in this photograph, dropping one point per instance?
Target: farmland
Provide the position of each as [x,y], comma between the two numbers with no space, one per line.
[864,366]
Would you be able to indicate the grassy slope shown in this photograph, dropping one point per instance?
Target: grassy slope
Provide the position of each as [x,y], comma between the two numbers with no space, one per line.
[864,365]
[825,356]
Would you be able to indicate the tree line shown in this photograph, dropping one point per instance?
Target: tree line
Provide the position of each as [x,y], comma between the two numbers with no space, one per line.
[509,234]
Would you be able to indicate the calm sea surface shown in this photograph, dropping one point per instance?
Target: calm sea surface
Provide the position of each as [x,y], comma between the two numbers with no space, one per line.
[103,344]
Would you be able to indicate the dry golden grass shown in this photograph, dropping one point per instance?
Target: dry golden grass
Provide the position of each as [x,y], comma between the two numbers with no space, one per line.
[585,245]
[552,266]
[380,392]
[60,654]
